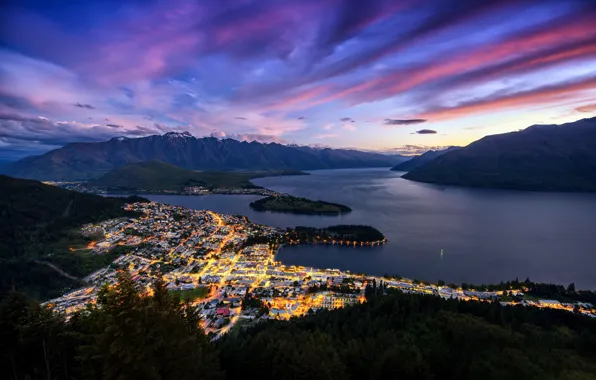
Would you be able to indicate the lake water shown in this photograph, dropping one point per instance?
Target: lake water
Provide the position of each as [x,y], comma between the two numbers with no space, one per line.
[486,235]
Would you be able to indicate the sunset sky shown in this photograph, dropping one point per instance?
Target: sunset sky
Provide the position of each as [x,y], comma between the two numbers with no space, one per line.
[381,75]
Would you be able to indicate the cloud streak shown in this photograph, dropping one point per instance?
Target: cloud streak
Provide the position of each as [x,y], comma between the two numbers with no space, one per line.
[403,121]
[426,132]
[87,106]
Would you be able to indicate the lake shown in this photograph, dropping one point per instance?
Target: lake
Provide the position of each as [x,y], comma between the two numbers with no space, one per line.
[486,236]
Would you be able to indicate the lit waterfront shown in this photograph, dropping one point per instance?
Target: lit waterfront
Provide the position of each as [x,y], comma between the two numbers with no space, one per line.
[216,255]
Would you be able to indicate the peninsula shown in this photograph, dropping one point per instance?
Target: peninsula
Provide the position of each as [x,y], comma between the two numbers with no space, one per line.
[161,177]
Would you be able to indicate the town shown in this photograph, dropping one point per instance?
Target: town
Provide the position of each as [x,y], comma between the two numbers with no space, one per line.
[225,265]
[85,187]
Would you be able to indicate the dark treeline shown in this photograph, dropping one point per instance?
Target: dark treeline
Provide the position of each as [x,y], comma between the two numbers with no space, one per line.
[128,335]
[406,336]
[341,289]
[37,224]
[352,233]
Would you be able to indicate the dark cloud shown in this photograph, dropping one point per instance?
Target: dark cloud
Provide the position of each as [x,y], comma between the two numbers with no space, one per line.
[301,118]
[349,18]
[17,103]
[240,118]
[114,126]
[87,106]
[426,132]
[345,119]
[404,121]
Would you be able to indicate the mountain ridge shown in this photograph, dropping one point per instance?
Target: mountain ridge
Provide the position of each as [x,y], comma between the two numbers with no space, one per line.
[541,157]
[418,161]
[88,160]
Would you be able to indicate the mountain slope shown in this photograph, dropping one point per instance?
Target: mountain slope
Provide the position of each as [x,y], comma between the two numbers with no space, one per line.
[156,175]
[541,157]
[418,161]
[91,160]
[37,225]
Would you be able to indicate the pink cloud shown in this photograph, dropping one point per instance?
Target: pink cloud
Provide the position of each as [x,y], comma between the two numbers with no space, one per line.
[586,108]
[541,95]
[576,40]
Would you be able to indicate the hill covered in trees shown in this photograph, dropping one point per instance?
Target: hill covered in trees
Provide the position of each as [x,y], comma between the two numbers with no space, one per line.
[130,335]
[37,224]
[156,175]
[541,157]
[298,205]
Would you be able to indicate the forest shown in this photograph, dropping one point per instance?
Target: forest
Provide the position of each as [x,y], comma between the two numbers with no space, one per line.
[130,334]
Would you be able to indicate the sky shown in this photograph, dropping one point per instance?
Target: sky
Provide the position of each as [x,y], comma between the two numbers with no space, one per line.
[394,76]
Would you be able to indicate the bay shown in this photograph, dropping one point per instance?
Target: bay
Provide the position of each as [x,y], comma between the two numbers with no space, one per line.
[485,236]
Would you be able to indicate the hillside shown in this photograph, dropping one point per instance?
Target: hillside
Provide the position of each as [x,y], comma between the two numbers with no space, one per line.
[418,161]
[36,224]
[541,157]
[155,175]
[80,161]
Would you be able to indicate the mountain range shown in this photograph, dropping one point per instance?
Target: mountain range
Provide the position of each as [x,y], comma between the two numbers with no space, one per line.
[418,161]
[540,157]
[82,161]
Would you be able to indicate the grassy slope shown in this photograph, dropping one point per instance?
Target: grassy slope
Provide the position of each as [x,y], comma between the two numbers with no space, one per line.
[192,294]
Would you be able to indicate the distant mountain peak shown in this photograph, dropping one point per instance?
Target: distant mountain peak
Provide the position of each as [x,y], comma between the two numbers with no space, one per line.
[184,134]
[119,138]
